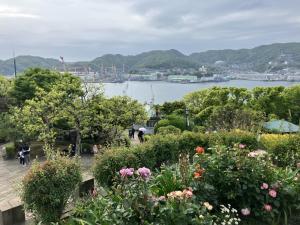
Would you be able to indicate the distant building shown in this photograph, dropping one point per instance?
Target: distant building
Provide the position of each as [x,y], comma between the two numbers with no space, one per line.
[181,78]
[143,77]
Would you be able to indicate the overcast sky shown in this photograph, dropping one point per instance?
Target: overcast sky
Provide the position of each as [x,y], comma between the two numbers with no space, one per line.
[85,29]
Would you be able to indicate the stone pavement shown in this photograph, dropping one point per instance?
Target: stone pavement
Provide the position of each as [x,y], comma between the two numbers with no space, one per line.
[11,173]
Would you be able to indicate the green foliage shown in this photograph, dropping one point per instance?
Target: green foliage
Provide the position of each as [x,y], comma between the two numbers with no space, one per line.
[166,181]
[71,105]
[163,149]
[5,86]
[173,120]
[200,129]
[131,202]
[10,150]
[231,176]
[231,108]
[25,86]
[284,150]
[168,130]
[173,107]
[47,187]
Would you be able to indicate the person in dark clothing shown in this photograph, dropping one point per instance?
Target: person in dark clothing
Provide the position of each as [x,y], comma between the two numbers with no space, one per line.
[73,150]
[21,155]
[132,132]
[141,136]
[26,154]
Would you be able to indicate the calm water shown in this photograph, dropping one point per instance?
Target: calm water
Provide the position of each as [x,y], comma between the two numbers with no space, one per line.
[164,91]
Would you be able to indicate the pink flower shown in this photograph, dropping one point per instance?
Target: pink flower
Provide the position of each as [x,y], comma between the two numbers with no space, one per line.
[144,172]
[242,146]
[268,207]
[126,172]
[245,211]
[264,186]
[188,193]
[272,193]
[162,198]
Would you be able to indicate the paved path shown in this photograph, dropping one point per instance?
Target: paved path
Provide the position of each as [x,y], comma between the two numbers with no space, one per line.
[11,173]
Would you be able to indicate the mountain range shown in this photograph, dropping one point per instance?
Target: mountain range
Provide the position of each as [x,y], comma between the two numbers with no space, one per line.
[256,59]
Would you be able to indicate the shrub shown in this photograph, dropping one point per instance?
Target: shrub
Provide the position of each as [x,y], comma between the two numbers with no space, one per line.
[168,130]
[131,202]
[162,149]
[284,149]
[10,150]
[47,187]
[229,175]
[200,129]
[174,120]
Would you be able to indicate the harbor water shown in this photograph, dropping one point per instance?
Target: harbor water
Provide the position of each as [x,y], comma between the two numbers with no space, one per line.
[165,91]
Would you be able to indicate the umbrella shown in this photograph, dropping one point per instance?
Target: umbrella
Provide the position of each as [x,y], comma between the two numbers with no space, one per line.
[281,126]
[143,129]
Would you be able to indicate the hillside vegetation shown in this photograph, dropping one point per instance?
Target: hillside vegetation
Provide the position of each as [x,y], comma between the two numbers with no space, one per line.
[256,59]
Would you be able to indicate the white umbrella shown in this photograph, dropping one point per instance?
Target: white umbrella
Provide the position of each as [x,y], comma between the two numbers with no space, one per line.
[142,129]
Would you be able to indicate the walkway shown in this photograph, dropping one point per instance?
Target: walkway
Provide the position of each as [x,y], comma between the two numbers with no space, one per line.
[11,173]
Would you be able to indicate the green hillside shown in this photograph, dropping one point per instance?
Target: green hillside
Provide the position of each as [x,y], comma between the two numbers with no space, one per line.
[257,59]
[24,62]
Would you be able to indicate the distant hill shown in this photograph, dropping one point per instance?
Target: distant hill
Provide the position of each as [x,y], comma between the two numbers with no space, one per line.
[259,59]
[24,62]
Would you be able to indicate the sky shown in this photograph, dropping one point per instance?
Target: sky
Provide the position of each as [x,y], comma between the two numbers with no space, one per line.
[86,29]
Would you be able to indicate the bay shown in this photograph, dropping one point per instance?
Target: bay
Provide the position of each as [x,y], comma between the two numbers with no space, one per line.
[165,91]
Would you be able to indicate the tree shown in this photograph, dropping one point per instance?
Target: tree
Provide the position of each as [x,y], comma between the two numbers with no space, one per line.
[38,116]
[269,100]
[291,97]
[26,85]
[5,87]
[81,109]
[111,116]
[229,117]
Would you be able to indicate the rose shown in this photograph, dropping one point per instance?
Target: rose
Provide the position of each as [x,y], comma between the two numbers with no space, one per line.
[199,150]
[264,186]
[245,211]
[126,172]
[144,172]
[208,206]
[268,207]
[272,193]
[241,146]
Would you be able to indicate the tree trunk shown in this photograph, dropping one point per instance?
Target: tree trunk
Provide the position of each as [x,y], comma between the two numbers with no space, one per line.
[78,142]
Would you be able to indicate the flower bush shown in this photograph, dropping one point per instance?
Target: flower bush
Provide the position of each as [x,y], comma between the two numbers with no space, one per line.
[131,202]
[162,149]
[253,185]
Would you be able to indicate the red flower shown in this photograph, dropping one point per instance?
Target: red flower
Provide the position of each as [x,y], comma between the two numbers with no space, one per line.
[199,150]
[199,173]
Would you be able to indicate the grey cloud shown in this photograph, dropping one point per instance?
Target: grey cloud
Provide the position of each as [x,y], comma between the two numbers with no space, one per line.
[84,29]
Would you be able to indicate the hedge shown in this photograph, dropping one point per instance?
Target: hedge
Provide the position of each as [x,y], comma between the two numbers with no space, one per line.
[163,149]
[284,149]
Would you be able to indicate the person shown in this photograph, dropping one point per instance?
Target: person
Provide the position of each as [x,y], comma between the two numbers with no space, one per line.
[141,136]
[132,132]
[26,154]
[73,150]
[95,149]
[21,155]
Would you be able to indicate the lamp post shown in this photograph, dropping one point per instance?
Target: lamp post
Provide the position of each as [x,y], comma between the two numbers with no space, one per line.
[187,122]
